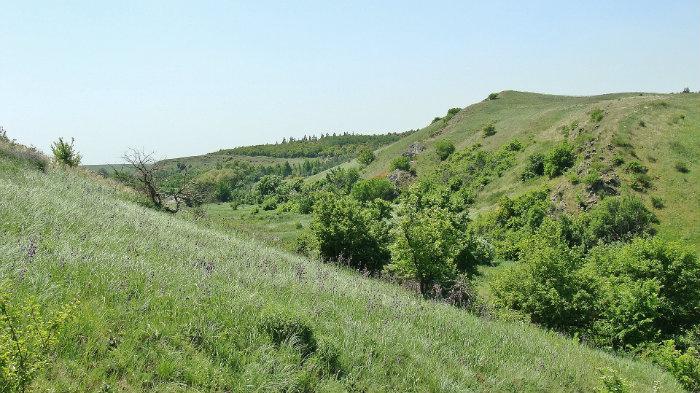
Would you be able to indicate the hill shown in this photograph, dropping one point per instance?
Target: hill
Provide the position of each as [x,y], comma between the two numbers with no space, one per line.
[148,301]
[661,132]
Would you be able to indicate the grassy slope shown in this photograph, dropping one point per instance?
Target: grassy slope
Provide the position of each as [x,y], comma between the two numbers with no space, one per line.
[536,120]
[151,318]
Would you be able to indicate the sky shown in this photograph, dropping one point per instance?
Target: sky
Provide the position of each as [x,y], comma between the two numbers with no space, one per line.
[183,78]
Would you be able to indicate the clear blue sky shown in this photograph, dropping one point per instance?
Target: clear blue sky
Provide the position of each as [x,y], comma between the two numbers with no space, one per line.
[185,78]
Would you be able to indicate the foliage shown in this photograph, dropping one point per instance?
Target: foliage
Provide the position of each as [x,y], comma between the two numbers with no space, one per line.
[617,219]
[684,365]
[267,186]
[284,328]
[492,96]
[400,163]
[444,147]
[657,202]
[342,145]
[489,130]
[559,159]
[430,247]
[636,167]
[64,153]
[597,115]
[346,231]
[534,166]
[27,339]
[371,189]
[365,156]
[341,180]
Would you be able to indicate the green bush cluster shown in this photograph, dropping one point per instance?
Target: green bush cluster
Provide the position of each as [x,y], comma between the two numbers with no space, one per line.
[365,156]
[65,153]
[400,163]
[554,163]
[443,148]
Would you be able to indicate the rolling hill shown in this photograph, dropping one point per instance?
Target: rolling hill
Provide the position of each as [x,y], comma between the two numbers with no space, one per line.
[154,302]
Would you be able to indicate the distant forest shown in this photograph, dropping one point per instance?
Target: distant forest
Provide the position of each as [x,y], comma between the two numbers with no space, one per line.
[324,146]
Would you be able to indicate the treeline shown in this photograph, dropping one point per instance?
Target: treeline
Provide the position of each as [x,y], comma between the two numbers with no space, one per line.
[326,145]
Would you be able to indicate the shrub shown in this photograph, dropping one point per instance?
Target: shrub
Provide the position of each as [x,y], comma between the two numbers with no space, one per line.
[429,247]
[371,189]
[657,202]
[341,180]
[267,185]
[686,90]
[64,153]
[514,145]
[617,219]
[597,115]
[636,167]
[27,337]
[534,166]
[559,159]
[618,160]
[444,148]
[365,156]
[641,182]
[401,163]
[489,130]
[492,96]
[684,365]
[642,124]
[345,230]
[681,167]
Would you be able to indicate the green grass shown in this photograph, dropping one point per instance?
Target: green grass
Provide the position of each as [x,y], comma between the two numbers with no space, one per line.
[167,305]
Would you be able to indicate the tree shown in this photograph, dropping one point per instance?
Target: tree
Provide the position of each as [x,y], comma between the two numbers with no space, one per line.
[430,246]
[365,156]
[64,153]
[145,169]
[347,231]
[444,148]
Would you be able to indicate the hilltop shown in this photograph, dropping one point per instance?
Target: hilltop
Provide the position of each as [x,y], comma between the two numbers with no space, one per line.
[148,301]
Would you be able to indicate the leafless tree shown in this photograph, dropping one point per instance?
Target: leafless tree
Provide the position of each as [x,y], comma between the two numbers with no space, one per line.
[145,169]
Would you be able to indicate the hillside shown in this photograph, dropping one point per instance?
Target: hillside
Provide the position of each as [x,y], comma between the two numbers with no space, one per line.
[657,130]
[159,303]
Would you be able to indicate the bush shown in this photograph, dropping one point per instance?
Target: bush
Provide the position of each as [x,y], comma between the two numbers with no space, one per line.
[641,182]
[64,153]
[489,130]
[514,145]
[341,180]
[684,365]
[371,189]
[267,185]
[636,167]
[681,167]
[617,219]
[444,148]
[492,96]
[618,160]
[27,337]
[559,159]
[365,156]
[347,231]
[534,167]
[401,163]
[597,115]
[657,202]
[430,246]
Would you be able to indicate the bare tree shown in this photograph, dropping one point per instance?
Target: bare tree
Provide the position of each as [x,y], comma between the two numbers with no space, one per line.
[145,169]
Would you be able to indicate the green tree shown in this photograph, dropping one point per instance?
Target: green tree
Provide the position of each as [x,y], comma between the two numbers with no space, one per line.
[444,148]
[64,153]
[430,246]
[347,231]
[365,156]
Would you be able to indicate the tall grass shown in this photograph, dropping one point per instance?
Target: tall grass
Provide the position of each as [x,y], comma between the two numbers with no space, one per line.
[168,306]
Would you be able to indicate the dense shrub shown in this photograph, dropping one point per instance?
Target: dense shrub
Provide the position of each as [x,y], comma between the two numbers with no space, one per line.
[64,153]
[268,185]
[345,230]
[492,96]
[636,167]
[617,219]
[365,156]
[371,189]
[489,130]
[641,182]
[444,148]
[534,166]
[684,365]
[559,159]
[401,163]
[657,202]
[430,246]
[341,180]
